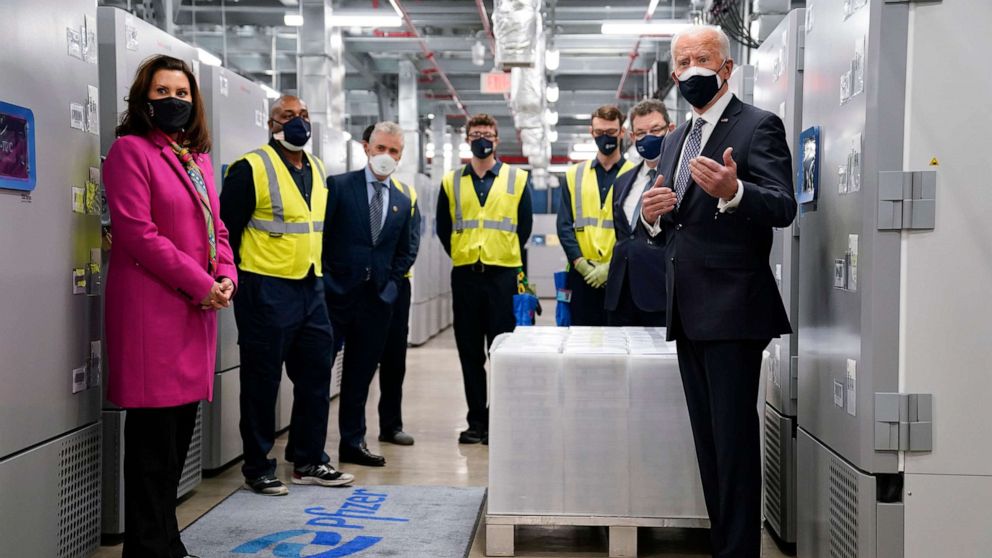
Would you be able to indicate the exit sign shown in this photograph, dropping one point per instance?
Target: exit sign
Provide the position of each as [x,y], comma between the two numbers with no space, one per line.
[495,82]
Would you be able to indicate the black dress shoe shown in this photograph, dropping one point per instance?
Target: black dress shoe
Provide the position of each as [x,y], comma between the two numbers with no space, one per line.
[470,436]
[360,456]
[399,438]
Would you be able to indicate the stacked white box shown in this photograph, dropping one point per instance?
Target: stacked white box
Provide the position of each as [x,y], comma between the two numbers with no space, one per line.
[590,422]
[525,434]
[664,478]
[594,412]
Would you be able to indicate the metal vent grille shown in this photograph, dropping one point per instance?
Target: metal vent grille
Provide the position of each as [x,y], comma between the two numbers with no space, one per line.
[79,494]
[843,512]
[193,469]
[774,485]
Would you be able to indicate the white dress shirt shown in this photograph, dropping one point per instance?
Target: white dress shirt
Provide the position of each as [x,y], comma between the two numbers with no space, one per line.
[634,194]
[712,116]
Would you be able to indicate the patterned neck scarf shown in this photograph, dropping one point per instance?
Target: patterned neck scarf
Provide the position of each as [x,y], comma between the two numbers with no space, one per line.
[196,175]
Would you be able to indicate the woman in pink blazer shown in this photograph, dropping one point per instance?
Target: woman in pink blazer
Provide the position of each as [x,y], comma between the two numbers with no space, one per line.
[171,269]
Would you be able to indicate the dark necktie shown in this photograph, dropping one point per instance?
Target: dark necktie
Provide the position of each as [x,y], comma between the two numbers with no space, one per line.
[692,149]
[375,211]
[652,174]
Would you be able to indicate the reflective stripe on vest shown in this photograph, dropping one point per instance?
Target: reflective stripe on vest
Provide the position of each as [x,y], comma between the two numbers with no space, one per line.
[283,238]
[593,224]
[412,194]
[278,225]
[460,223]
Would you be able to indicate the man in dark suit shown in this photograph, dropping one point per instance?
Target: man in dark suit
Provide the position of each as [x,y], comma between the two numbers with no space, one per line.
[635,287]
[366,253]
[729,182]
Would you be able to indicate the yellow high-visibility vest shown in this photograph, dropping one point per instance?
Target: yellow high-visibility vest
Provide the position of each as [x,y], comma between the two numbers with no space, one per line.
[486,234]
[285,236]
[412,194]
[593,221]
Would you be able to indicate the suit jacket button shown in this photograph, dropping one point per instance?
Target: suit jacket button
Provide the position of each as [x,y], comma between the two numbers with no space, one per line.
[673,260]
[632,237]
[678,227]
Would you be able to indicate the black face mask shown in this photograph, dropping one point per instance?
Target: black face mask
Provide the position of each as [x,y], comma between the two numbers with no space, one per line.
[607,144]
[482,148]
[699,89]
[170,114]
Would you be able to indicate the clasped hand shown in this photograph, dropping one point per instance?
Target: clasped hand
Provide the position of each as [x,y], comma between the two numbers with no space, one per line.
[719,181]
[220,295]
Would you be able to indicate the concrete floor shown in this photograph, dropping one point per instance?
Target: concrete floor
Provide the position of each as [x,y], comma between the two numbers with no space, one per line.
[434,412]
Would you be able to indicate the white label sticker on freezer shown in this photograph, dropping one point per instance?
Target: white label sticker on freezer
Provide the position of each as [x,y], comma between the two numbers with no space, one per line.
[840,273]
[79,379]
[92,110]
[842,179]
[778,272]
[78,200]
[854,165]
[77,116]
[74,41]
[839,394]
[858,68]
[852,387]
[89,39]
[224,85]
[131,37]
[852,259]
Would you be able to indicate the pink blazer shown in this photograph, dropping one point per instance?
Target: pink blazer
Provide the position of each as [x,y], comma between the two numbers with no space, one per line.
[160,344]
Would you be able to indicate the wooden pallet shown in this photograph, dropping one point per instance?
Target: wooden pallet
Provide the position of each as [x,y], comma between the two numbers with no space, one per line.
[623,530]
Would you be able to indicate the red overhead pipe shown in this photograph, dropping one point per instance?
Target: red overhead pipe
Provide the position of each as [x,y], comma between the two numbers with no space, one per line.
[633,56]
[428,53]
[485,25]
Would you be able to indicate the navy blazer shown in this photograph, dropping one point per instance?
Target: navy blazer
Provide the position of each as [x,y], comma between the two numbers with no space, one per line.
[637,257]
[719,279]
[349,257]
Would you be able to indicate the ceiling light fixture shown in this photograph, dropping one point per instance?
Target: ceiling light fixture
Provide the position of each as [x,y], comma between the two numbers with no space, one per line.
[293,19]
[478,53]
[552,58]
[552,92]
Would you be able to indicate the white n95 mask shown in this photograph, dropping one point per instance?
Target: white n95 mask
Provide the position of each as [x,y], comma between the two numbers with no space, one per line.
[383,164]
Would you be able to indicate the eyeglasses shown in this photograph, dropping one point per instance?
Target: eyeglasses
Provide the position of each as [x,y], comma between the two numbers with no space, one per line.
[613,132]
[486,135]
[656,131]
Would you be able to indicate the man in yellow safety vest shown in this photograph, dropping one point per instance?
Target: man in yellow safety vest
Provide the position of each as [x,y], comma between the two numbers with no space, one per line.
[585,217]
[484,218]
[273,204]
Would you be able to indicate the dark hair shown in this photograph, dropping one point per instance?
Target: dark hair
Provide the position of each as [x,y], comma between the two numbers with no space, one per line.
[609,113]
[481,120]
[367,134]
[648,106]
[136,121]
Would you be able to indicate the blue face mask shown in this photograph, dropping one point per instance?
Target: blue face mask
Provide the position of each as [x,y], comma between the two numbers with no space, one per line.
[649,147]
[482,148]
[295,133]
[607,144]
